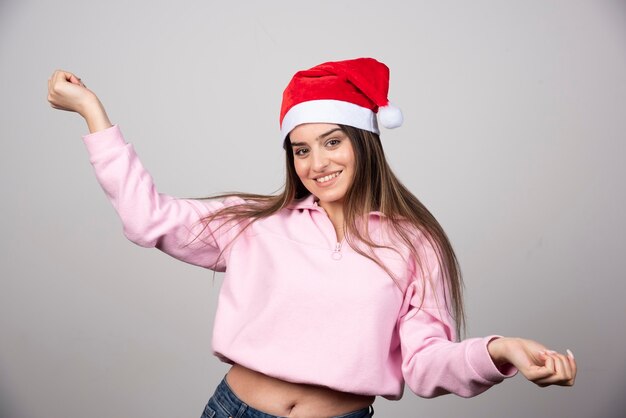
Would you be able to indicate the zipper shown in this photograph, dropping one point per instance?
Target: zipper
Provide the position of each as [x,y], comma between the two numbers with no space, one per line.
[336,255]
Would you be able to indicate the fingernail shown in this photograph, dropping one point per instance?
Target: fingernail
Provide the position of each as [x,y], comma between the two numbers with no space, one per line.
[551,351]
[569,353]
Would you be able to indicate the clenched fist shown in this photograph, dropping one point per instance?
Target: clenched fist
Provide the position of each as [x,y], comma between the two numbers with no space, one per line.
[68,92]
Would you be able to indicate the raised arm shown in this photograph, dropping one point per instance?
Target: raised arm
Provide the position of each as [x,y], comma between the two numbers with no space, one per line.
[149,218]
[68,92]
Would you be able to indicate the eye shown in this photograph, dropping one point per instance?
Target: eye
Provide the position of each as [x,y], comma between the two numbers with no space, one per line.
[333,142]
[300,152]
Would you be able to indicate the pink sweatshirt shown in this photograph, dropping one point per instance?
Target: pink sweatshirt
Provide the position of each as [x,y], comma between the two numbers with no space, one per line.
[295,304]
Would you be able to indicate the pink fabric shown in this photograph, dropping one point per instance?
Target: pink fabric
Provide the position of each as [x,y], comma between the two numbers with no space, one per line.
[294,303]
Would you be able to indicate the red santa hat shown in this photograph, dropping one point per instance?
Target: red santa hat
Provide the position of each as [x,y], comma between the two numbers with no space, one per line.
[350,92]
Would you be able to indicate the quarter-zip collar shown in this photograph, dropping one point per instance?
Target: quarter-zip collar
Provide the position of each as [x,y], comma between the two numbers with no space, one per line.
[309,202]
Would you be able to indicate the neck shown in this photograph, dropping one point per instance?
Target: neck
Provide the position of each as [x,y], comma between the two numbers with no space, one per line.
[334,210]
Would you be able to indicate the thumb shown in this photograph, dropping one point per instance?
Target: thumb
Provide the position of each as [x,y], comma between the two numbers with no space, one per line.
[73,79]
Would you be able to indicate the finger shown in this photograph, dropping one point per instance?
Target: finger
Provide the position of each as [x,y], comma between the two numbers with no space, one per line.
[536,374]
[572,361]
[57,78]
[61,76]
[553,380]
[70,77]
[547,377]
[58,74]
[563,372]
[540,371]
[50,82]
[75,80]
[548,381]
[569,372]
[563,369]
[548,361]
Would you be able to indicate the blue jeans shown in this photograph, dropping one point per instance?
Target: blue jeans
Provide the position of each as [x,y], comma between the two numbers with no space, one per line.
[225,404]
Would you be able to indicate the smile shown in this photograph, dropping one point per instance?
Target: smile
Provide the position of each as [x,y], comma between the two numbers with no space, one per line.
[328,177]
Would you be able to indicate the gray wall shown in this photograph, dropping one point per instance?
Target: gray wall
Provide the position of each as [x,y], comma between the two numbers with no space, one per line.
[514,138]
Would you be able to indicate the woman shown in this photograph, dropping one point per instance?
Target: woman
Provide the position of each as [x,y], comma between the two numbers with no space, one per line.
[339,289]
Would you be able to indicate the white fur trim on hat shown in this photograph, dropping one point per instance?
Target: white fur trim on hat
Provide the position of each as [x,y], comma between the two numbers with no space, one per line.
[329,111]
[390,116]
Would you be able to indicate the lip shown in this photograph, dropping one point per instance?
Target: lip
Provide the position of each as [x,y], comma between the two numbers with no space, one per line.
[327,174]
[329,182]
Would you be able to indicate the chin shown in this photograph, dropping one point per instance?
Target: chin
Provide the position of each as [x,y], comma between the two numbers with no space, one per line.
[329,198]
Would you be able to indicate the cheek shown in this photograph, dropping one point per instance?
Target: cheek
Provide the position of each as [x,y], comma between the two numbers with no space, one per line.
[347,155]
[347,159]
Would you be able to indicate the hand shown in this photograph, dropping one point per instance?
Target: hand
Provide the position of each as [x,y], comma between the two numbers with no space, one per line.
[68,92]
[538,364]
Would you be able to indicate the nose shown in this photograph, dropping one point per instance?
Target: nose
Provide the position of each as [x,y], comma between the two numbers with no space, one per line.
[320,161]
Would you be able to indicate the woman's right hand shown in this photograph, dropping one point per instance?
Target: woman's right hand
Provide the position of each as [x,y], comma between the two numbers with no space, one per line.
[68,92]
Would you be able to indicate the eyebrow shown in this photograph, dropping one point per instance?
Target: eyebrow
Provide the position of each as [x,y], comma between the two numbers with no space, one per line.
[322,136]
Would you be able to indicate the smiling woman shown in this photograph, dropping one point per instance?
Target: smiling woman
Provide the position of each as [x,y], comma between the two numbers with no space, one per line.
[341,288]
[324,162]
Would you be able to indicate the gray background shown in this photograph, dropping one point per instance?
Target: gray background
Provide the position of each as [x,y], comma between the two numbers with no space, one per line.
[514,138]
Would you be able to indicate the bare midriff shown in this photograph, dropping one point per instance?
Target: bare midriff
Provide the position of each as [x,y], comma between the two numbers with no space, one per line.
[286,399]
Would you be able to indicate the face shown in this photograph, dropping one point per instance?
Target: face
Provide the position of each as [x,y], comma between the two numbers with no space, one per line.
[324,160]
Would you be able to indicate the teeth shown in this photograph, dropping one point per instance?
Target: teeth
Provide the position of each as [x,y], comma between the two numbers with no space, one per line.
[328,177]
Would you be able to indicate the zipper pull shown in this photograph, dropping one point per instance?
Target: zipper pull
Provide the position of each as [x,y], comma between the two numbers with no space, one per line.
[336,255]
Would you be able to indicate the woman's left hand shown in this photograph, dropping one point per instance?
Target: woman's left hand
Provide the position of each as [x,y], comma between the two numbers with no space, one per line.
[538,364]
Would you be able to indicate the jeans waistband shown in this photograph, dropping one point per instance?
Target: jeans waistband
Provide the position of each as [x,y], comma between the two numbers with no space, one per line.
[226,396]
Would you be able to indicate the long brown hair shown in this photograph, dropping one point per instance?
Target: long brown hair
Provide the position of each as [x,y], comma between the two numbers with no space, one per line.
[374,188]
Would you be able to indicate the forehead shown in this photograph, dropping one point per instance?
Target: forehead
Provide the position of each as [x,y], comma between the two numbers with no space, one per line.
[311,131]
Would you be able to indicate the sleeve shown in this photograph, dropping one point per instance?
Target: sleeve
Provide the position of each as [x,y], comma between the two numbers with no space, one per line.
[433,363]
[152,219]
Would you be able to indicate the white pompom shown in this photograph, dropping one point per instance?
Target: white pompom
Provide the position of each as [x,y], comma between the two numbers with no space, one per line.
[390,116]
